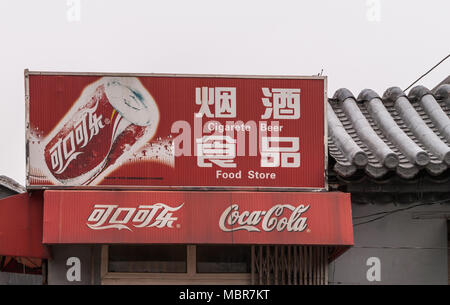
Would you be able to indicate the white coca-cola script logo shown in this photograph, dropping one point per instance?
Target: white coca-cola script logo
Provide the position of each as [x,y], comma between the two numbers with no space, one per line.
[66,150]
[232,219]
[158,215]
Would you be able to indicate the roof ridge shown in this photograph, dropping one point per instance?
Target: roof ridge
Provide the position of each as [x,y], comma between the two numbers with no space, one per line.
[11,184]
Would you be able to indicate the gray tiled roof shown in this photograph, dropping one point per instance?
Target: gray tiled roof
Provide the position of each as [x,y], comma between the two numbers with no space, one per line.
[11,184]
[394,132]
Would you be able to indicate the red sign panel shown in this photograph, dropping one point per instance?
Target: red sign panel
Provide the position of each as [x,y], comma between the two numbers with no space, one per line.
[92,130]
[197,217]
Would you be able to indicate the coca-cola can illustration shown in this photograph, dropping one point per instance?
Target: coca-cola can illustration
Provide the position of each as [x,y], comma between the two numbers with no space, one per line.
[113,116]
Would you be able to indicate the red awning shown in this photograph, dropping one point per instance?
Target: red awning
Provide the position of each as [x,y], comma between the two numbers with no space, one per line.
[133,217]
[21,226]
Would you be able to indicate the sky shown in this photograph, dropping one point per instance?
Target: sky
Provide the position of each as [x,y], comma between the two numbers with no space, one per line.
[357,44]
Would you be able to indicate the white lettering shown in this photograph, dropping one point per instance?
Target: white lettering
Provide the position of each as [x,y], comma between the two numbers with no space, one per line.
[143,216]
[233,220]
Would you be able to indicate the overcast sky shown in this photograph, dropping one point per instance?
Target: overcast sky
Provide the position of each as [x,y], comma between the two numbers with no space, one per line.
[358,44]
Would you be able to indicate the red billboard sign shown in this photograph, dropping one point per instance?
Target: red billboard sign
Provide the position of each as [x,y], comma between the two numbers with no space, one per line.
[146,217]
[160,131]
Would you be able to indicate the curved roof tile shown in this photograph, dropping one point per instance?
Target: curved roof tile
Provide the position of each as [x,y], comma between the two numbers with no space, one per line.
[394,133]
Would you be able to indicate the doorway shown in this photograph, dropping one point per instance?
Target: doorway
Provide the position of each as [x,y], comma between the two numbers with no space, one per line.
[214,264]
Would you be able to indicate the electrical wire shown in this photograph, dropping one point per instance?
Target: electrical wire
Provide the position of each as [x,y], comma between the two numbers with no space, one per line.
[387,213]
[403,209]
[428,71]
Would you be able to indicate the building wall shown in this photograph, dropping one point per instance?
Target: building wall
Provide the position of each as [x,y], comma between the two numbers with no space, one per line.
[411,246]
[62,270]
[8,278]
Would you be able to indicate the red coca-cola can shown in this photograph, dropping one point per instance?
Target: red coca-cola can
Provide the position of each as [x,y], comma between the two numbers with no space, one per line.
[112,117]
